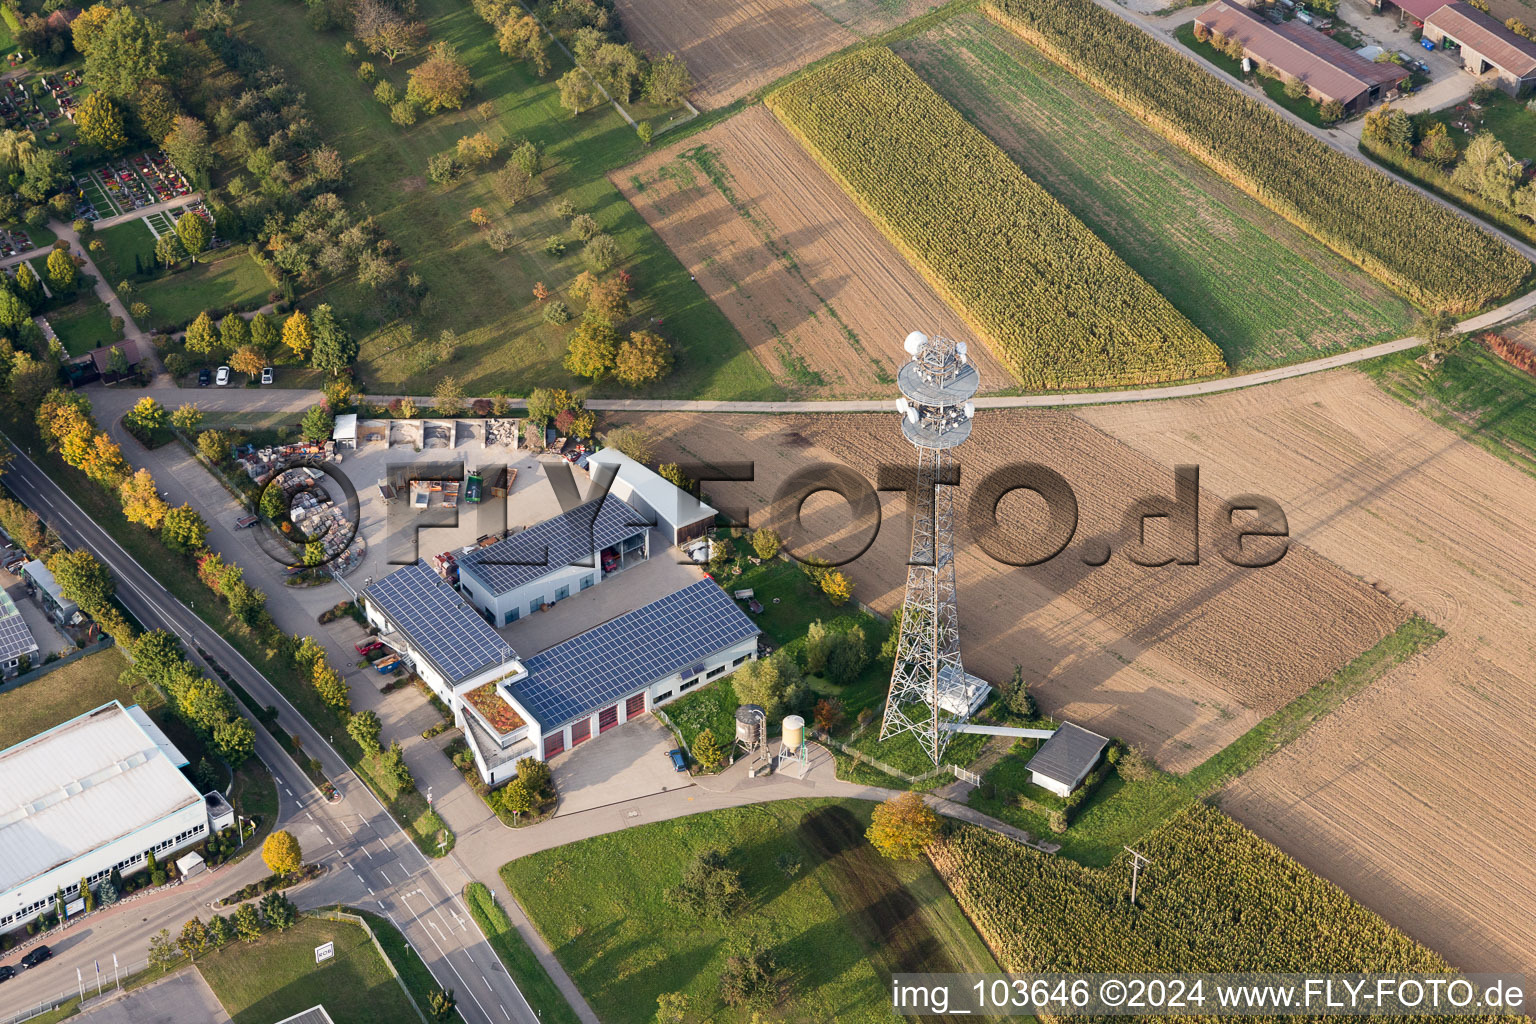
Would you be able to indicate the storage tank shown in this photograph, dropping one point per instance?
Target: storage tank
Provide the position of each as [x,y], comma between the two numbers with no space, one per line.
[794,732]
[751,726]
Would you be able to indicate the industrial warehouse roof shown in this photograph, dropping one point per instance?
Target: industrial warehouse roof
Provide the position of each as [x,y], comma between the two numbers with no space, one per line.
[15,638]
[438,622]
[1478,31]
[1069,754]
[669,501]
[555,543]
[596,668]
[1326,66]
[1419,9]
[79,786]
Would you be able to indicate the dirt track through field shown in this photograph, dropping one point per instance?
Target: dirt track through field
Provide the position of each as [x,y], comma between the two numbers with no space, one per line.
[816,291]
[1181,660]
[1418,795]
[733,48]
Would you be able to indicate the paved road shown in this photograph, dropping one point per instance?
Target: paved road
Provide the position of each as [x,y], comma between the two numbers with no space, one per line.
[373,864]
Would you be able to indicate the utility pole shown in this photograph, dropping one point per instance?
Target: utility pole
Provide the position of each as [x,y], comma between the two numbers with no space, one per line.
[1137,860]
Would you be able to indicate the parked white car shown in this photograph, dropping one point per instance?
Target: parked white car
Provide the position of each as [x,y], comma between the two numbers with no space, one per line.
[222,377]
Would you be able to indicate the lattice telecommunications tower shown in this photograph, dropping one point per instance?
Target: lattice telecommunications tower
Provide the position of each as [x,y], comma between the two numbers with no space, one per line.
[930,691]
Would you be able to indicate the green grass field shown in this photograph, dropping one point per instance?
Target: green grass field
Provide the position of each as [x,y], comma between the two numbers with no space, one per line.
[532,980]
[486,297]
[83,325]
[123,242]
[1120,811]
[234,281]
[1502,114]
[66,692]
[1473,393]
[1263,291]
[838,927]
[276,977]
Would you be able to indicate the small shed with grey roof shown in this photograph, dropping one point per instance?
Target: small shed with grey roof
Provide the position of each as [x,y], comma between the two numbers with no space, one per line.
[1064,761]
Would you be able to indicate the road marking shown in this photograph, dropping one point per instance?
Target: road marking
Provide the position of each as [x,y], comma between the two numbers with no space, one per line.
[381,907]
[370,891]
[487,981]
[366,853]
[504,1012]
[386,877]
[347,827]
[311,817]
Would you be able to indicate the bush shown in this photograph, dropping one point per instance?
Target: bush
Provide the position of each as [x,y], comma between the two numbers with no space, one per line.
[601,252]
[708,888]
[554,245]
[403,113]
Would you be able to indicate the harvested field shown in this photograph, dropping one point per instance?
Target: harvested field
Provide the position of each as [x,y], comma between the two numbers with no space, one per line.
[733,48]
[819,295]
[1260,288]
[1416,796]
[865,18]
[1181,659]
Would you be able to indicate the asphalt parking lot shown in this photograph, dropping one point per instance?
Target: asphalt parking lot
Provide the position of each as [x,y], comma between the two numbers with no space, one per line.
[182,998]
[626,762]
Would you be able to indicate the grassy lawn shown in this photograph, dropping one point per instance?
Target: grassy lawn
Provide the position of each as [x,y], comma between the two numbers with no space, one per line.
[485,297]
[1262,290]
[66,692]
[1120,810]
[516,956]
[123,242]
[276,977]
[1502,114]
[234,281]
[838,927]
[83,325]
[1473,393]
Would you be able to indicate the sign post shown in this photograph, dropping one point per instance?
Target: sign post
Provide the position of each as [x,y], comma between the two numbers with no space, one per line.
[324,953]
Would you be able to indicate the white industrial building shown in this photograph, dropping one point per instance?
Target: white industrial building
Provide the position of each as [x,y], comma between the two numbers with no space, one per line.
[95,793]
[510,708]
[552,560]
[677,514]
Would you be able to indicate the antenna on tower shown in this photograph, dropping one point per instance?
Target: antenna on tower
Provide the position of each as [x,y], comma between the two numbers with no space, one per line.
[930,693]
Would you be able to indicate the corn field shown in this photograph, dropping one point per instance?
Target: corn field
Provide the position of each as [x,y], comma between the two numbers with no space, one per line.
[1214,898]
[1425,251]
[1058,306]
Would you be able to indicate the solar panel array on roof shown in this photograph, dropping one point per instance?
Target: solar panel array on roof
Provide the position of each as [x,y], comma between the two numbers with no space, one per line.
[15,638]
[555,543]
[625,654]
[439,623]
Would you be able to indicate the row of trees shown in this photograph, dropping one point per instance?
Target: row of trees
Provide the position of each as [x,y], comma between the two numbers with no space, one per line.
[317,337]
[248,923]
[1485,171]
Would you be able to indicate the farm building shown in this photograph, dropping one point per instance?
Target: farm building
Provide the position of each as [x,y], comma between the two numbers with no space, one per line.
[1331,71]
[1410,10]
[549,561]
[95,793]
[16,640]
[1484,45]
[677,514]
[344,432]
[510,708]
[1064,761]
[64,611]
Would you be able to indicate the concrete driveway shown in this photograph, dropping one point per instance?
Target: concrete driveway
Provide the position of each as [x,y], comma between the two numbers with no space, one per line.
[626,762]
[179,999]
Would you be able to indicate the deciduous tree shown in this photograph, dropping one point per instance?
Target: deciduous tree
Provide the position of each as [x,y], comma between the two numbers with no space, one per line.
[298,335]
[142,503]
[644,357]
[578,93]
[61,270]
[247,360]
[82,579]
[903,826]
[201,336]
[281,853]
[184,529]
[593,348]
[523,39]
[441,82]
[194,233]
[317,424]
[364,728]
[100,122]
[334,347]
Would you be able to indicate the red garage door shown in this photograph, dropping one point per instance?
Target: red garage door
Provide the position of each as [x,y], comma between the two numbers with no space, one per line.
[581,731]
[553,744]
[634,706]
[607,718]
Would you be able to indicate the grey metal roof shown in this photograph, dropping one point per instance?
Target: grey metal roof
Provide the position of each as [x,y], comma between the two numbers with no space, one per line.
[1069,754]
[555,543]
[628,653]
[439,623]
[313,1015]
